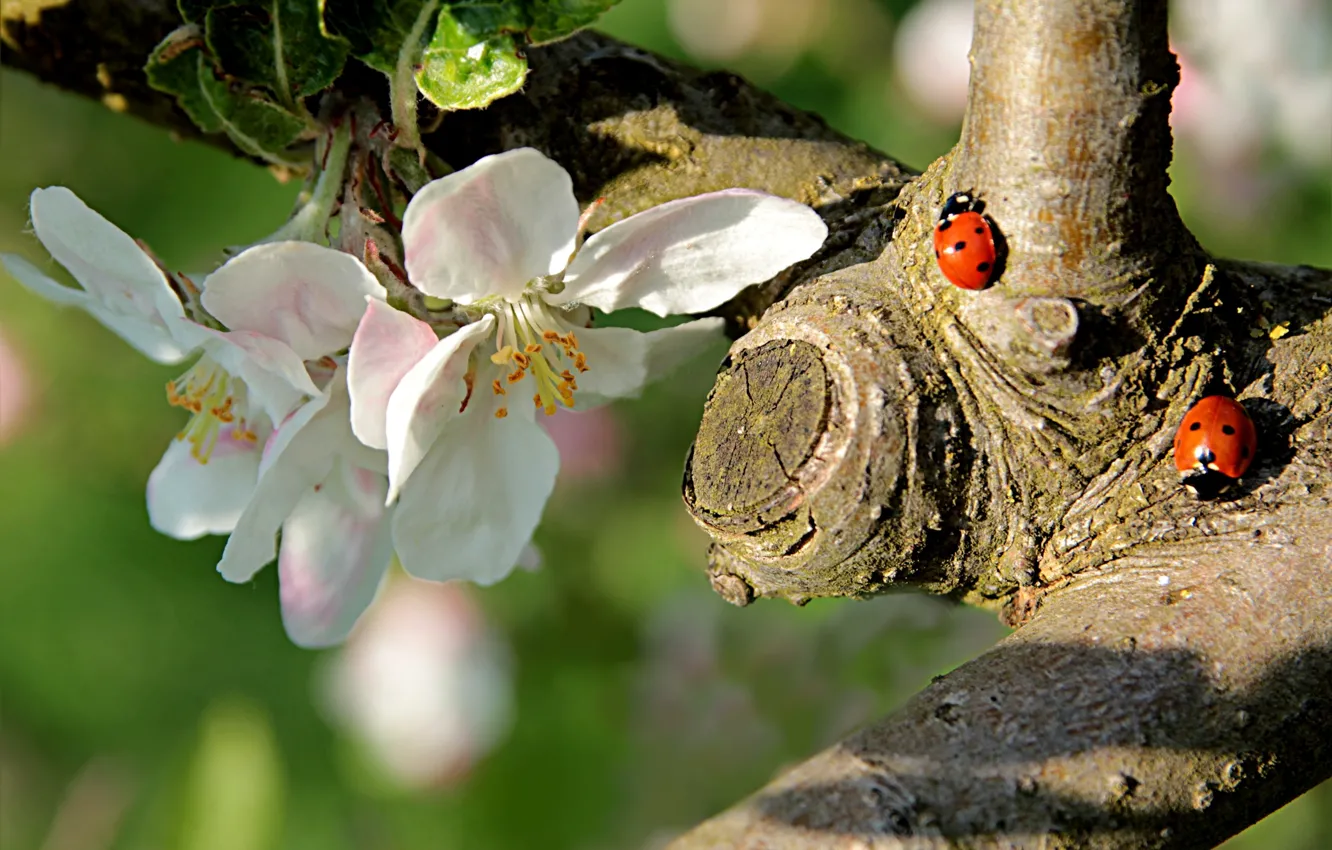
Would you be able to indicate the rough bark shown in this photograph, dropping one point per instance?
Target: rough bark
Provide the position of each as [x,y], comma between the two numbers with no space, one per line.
[877,428]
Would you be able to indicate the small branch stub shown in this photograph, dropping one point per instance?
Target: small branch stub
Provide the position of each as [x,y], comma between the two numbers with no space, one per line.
[824,458]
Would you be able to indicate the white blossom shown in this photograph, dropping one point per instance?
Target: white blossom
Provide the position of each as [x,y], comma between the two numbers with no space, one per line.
[469,469]
[274,320]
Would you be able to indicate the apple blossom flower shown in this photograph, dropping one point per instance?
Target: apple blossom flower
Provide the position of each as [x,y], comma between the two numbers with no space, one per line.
[468,468]
[287,307]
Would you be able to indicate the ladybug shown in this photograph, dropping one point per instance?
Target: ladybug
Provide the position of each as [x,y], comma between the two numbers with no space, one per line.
[964,242]
[1214,445]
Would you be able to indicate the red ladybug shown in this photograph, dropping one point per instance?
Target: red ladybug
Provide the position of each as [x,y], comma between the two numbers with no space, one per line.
[1214,445]
[964,243]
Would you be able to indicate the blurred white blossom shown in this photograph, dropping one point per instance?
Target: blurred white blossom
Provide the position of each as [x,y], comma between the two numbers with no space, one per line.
[930,52]
[423,684]
[727,30]
[15,390]
[1255,75]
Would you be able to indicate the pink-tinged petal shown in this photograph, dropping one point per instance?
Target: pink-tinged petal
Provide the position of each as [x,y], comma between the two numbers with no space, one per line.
[296,458]
[693,254]
[471,508]
[622,361]
[308,296]
[428,396]
[102,257]
[490,228]
[188,499]
[387,344]
[276,375]
[336,545]
[145,332]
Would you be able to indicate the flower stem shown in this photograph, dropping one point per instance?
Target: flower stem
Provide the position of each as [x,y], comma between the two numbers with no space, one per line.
[311,220]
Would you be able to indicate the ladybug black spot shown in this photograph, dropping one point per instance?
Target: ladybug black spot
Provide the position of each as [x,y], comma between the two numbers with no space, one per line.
[1195,426]
[936,255]
[1228,430]
[959,246]
[945,224]
[980,230]
[983,267]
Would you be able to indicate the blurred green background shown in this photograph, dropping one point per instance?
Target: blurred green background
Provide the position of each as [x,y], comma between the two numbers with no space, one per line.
[144,702]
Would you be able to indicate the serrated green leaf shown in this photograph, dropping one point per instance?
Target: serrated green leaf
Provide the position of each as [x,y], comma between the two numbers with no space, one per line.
[173,68]
[375,29]
[551,20]
[279,44]
[258,126]
[461,71]
[194,11]
[485,19]
[182,67]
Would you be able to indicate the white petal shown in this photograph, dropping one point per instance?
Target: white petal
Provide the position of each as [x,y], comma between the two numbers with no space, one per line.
[305,295]
[387,344]
[299,456]
[145,335]
[427,397]
[490,228]
[275,375]
[188,499]
[38,282]
[693,254]
[471,508]
[336,546]
[144,331]
[622,361]
[102,257]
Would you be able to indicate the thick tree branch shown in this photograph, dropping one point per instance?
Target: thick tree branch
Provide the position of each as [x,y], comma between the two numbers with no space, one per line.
[880,428]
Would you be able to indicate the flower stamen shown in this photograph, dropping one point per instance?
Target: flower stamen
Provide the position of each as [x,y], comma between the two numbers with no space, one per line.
[218,401]
[548,349]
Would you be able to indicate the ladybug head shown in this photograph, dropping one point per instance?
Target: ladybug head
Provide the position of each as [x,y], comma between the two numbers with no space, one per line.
[1206,483]
[961,202]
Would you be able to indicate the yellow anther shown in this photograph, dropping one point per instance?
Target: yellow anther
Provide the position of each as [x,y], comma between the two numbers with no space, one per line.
[516,375]
[522,360]
[498,387]
[532,348]
[551,336]
[501,412]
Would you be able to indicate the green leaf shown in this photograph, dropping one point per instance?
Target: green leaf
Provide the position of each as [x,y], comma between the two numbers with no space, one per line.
[375,29]
[460,70]
[173,68]
[182,67]
[258,126]
[194,11]
[275,43]
[551,20]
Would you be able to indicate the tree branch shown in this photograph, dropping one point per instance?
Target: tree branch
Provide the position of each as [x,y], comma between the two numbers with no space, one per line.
[879,428]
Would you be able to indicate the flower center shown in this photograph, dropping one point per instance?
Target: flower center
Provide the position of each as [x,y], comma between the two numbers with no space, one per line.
[535,340]
[217,401]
